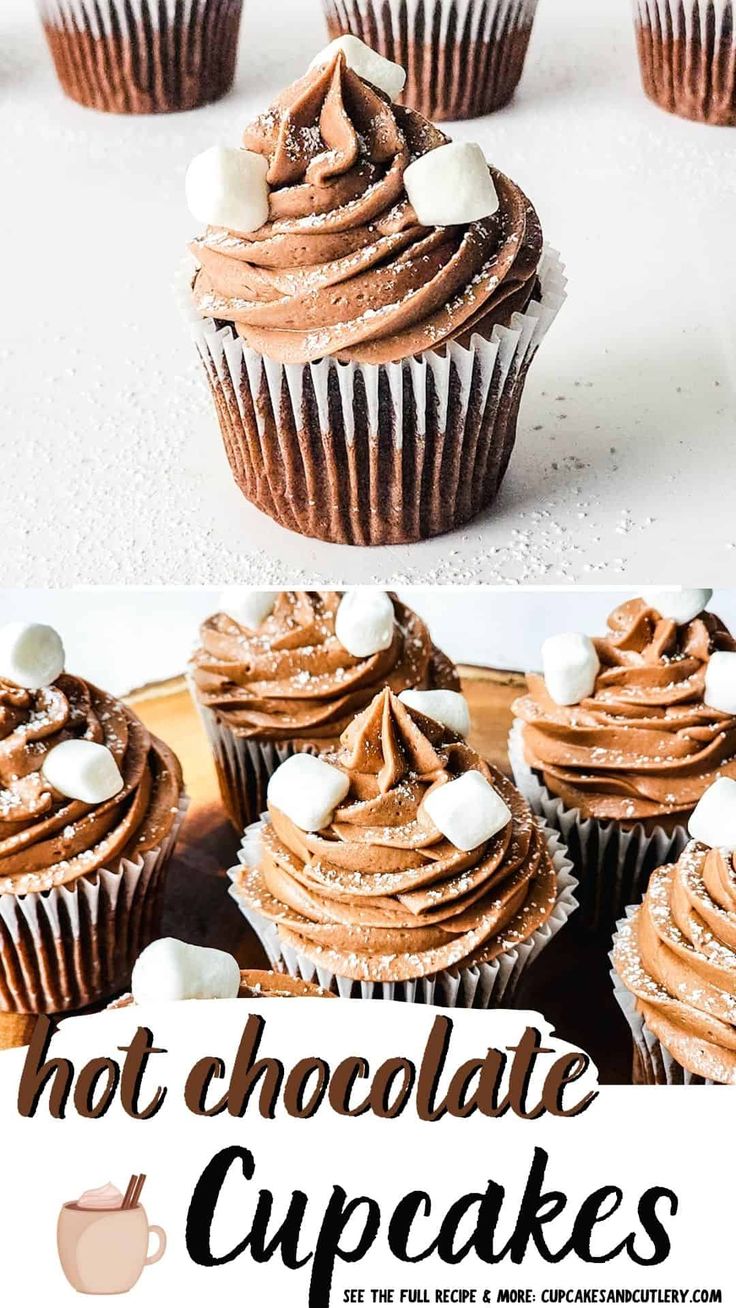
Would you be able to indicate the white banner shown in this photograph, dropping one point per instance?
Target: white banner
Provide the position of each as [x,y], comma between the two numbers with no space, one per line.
[380,1153]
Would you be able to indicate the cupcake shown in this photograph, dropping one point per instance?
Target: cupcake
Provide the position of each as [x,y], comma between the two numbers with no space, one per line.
[687,56]
[620,738]
[90,806]
[462,59]
[674,956]
[367,301]
[402,866]
[280,672]
[151,56]
[170,970]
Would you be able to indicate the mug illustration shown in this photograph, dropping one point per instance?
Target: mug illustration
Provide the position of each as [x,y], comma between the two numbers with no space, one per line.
[103,1239]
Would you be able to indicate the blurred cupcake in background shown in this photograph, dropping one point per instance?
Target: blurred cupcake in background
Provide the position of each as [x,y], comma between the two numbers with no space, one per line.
[90,807]
[143,56]
[277,672]
[687,57]
[403,865]
[367,300]
[616,743]
[463,58]
[674,956]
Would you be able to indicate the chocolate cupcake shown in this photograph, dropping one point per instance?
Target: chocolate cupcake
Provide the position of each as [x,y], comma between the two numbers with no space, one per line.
[619,769]
[674,958]
[463,58]
[90,806]
[402,866]
[687,56]
[170,970]
[273,677]
[143,56]
[368,300]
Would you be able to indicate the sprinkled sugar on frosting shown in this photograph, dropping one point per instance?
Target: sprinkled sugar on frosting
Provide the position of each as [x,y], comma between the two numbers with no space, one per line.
[48,840]
[677,955]
[381,895]
[343,267]
[293,679]
[644,744]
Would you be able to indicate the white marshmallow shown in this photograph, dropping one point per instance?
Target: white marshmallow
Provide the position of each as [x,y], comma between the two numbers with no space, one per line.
[170,969]
[677,603]
[248,607]
[81,769]
[467,811]
[367,63]
[307,790]
[364,622]
[226,187]
[451,185]
[31,655]
[448,707]
[713,820]
[720,682]
[570,665]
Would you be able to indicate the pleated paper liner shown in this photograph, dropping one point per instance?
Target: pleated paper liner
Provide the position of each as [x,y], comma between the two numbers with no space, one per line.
[70,946]
[143,56]
[245,766]
[652,1064]
[463,58]
[376,454]
[613,865]
[486,985]
[687,57]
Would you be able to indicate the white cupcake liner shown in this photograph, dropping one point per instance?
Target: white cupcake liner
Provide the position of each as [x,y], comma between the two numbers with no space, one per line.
[353,452]
[484,985]
[462,57]
[656,1064]
[688,20]
[143,56]
[613,865]
[68,947]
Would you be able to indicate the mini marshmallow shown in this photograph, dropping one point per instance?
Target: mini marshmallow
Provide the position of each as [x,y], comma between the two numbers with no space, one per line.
[448,707]
[31,655]
[467,811]
[451,185]
[367,63]
[248,607]
[81,769]
[570,664]
[720,682]
[170,969]
[364,623]
[226,187]
[713,820]
[307,790]
[678,603]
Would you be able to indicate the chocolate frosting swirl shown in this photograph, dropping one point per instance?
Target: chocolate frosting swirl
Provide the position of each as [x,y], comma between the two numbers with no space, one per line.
[677,955]
[381,894]
[49,840]
[644,744]
[293,680]
[343,267]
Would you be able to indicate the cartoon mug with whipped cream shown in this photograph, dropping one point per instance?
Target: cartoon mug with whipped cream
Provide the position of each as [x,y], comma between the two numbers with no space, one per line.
[103,1239]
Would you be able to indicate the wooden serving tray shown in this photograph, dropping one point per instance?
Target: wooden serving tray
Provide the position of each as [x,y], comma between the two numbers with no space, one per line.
[569,983]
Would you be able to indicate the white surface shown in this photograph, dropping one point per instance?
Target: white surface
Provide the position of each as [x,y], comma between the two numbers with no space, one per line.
[113,468]
[122,639]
